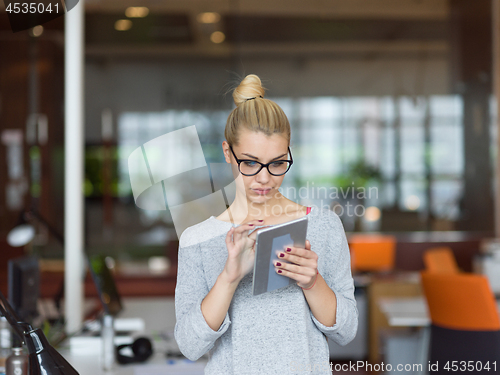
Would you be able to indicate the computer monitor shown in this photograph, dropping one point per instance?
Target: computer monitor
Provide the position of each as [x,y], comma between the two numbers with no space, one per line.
[105,285]
[24,286]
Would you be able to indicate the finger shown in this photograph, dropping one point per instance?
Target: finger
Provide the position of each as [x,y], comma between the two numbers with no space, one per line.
[242,231]
[294,268]
[298,260]
[301,252]
[253,235]
[245,227]
[308,245]
[254,221]
[229,237]
[249,225]
[300,278]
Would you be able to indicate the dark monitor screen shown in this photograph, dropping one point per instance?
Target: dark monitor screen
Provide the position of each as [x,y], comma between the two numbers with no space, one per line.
[105,285]
[24,286]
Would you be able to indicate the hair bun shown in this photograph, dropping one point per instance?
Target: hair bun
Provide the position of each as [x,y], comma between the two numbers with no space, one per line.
[249,88]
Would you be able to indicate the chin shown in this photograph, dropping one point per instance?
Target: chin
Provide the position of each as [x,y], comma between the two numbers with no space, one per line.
[261,198]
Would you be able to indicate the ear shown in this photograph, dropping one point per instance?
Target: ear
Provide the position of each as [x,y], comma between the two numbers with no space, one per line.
[227,152]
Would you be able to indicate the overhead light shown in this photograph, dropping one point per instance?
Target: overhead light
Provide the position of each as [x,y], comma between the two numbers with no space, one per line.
[136,12]
[37,30]
[217,37]
[412,202]
[372,213]
[208,17]
[123,25]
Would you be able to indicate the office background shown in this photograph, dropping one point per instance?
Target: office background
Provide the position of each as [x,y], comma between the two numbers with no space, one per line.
[395,95]
[388,85]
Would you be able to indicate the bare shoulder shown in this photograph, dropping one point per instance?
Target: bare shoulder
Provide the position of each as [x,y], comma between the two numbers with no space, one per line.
[294,210]
[300,211]
[224,216]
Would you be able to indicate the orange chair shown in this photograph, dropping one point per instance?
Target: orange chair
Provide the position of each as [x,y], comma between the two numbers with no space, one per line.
[464,316]
[372,252]
[440,260]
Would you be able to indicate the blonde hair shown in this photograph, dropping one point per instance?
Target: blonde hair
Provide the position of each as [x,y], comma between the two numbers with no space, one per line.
[255,113]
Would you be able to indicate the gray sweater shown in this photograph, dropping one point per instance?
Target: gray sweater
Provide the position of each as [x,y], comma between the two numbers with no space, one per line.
[271,333]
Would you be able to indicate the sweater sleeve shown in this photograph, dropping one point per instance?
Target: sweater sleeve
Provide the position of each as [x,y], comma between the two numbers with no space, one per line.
[192,333]
[336,270]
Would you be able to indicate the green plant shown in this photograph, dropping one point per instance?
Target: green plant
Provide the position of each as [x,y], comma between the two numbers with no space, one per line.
[358,175]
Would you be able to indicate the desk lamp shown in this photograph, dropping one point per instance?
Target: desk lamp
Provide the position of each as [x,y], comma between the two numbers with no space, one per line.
[24,232]
[43,358]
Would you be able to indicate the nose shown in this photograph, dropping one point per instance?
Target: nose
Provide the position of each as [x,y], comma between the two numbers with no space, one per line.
[263,176]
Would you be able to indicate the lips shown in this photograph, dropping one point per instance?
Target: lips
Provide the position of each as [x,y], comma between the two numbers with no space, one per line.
[262,191]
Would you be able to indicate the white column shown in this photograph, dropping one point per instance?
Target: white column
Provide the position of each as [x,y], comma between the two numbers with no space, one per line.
[74,167]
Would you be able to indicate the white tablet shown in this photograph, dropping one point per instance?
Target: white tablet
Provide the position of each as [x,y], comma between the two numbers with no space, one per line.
[271,241]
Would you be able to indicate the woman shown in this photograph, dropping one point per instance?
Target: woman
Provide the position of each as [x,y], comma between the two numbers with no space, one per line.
[282,331]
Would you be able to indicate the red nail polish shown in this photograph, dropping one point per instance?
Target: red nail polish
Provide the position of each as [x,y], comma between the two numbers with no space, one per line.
[251,225]
[261,220]
[278,264]
[288,249]
[279,271]
[282,255]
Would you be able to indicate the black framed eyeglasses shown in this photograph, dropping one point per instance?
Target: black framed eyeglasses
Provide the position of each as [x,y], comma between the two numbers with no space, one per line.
[248,167]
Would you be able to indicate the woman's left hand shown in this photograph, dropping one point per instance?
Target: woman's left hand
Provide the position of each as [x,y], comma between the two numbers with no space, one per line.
[298,263]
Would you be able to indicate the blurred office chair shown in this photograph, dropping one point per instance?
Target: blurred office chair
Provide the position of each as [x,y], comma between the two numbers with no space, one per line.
[465,325]
[440,260]
[372,252]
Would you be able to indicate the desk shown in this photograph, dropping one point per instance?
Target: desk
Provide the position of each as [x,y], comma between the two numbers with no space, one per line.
[411,312]
[158,365]
[384,286]
[405,311]
[159,317]
[408,311]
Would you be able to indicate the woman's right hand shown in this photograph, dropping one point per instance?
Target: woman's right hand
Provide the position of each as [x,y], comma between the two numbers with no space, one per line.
[241,250]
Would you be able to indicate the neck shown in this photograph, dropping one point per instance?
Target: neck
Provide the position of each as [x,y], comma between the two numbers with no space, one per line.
[243,209]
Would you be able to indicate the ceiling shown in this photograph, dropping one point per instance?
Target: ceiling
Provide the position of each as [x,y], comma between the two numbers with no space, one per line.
[265,27]
[407,9]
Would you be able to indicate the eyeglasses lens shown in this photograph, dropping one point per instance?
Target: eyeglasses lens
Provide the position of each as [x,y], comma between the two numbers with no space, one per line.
[276,168]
